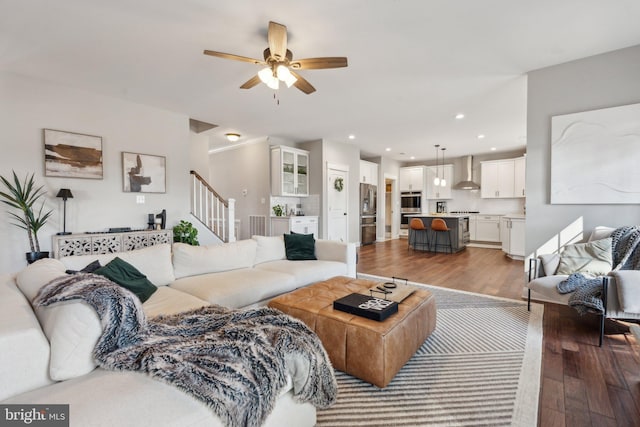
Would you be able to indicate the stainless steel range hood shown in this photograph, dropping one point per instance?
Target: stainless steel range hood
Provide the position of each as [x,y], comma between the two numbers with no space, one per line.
[467,183]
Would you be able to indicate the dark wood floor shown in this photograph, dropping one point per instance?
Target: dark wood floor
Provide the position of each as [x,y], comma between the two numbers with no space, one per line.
[582,384]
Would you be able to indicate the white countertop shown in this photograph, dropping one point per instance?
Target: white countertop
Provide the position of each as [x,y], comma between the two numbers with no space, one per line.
[515,216]
[436,215]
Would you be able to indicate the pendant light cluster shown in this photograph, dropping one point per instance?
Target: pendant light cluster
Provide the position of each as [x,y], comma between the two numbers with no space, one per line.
[437,181]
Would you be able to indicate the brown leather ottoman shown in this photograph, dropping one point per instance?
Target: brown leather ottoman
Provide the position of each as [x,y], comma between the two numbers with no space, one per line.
[370,350]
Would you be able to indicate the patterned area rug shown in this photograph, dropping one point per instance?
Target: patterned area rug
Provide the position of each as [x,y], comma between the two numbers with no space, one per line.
[480,367]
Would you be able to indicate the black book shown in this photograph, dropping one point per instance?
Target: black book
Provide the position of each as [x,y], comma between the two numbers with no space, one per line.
[366,306]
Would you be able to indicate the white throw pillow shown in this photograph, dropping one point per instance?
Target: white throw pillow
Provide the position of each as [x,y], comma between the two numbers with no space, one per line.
[270,248]
[591,258]
[72,328]
[601,232]
[193,260]
[550,263]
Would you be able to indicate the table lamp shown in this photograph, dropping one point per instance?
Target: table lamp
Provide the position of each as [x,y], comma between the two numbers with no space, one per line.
[65,193]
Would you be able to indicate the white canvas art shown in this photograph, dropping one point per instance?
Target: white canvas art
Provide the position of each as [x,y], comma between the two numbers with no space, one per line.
[595,156]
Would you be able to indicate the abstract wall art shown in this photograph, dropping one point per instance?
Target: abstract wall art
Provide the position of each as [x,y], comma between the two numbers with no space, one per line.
[72,155]
[595,156]
[143,173]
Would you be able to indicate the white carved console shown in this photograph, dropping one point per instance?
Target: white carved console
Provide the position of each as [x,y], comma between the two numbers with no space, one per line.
[104,243]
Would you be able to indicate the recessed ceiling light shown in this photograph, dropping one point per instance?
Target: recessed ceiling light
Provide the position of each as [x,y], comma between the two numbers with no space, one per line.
[493,148]
[481,136]
[413,157]
[352,136]
[233,137]
[387,149]
[459,116]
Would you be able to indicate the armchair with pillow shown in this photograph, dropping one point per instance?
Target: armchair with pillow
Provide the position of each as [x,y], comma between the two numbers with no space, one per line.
[600,276]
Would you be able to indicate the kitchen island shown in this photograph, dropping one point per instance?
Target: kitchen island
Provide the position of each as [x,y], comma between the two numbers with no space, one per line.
[458,223]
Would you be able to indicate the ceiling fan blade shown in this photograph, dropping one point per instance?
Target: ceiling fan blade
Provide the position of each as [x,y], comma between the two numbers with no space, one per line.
[319,63]
[251,82]
[234,57]
[303,84]
[277,40]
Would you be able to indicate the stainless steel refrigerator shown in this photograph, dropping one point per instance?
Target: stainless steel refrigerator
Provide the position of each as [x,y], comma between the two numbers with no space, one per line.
[368,207]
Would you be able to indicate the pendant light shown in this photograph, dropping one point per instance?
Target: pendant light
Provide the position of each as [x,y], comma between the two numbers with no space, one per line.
[443,182]
[436,180]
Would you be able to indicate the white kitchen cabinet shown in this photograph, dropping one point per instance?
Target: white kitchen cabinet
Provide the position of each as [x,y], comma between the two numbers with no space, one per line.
[473,221]
[439,192]
[519,167]
[307,224]
[289,171]
[488,228]
[513,233]
[368,172]
[497,179]
[412,178]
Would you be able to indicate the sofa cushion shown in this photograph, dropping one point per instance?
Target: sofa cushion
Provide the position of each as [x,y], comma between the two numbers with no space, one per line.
[167,300]
[300,247]
[72,327]
[550,263]
[270,248]
[153,261]
[601,232]
[628,287]
[548,287]
[591,258]
[306,272]
[24,358]
[237,288]
[127,276]
[193,260]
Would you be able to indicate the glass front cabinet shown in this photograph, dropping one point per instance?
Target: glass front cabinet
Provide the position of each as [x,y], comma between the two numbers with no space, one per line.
[289,171]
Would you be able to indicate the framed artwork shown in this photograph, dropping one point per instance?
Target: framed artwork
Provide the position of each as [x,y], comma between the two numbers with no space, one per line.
[143,173]
[595,156]
[72,155]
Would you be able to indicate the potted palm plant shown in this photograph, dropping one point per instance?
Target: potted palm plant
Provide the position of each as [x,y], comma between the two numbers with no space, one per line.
[23,196]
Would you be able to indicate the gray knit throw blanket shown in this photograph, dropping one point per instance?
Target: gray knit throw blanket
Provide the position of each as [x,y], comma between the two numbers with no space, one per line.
[235,361]
[587,292]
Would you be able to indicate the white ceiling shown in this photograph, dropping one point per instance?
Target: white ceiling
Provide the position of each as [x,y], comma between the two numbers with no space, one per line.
[413,64]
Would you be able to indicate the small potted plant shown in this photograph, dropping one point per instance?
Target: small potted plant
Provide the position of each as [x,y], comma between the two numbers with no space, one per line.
[24,196]
[185,232]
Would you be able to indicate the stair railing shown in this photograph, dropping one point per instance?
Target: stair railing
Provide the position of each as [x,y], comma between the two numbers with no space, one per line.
[211,209]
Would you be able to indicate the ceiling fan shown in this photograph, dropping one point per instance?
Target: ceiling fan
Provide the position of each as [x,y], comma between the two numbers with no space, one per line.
[279,63]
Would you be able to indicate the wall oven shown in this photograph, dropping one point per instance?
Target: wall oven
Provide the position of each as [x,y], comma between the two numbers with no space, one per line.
[410,200]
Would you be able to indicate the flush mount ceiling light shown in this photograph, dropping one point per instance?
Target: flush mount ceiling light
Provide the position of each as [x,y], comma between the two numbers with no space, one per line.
[436,180]
[233,137]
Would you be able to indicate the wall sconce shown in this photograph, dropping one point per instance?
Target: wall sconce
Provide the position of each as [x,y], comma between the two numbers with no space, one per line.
[65,194]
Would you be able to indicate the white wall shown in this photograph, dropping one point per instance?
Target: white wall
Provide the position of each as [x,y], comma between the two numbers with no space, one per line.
[601,81]
[27,106]
[246,167]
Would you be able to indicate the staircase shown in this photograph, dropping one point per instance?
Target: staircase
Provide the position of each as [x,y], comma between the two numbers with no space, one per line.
[210,209]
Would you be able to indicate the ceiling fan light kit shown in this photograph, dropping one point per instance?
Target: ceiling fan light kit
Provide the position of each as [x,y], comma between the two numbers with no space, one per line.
[279,64]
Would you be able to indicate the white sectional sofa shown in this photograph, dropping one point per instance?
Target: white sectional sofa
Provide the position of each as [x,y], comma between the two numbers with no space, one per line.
[45,354]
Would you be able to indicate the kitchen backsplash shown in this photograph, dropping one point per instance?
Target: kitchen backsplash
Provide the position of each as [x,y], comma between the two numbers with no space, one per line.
[308,205]
[465,200]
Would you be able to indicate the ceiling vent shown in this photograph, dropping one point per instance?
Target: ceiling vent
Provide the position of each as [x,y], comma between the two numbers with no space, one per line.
[467,183]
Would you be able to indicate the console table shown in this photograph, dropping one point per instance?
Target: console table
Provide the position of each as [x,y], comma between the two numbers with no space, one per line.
[104,243]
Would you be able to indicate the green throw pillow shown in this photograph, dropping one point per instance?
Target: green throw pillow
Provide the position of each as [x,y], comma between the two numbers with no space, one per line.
[299,247]
[127,276]
[592,258]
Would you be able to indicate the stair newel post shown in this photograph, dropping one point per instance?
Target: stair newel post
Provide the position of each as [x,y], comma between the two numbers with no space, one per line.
[231,221]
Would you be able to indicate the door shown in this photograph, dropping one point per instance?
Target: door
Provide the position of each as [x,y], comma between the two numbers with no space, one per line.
[337,203]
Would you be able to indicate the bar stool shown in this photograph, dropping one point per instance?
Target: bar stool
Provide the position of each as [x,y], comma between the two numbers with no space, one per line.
[419,233]
[439,226]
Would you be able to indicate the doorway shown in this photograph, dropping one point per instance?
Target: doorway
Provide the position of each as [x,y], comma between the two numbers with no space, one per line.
[391,224]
